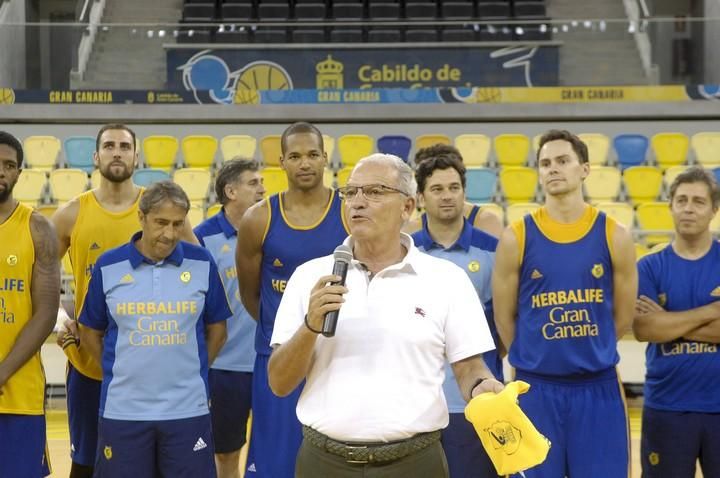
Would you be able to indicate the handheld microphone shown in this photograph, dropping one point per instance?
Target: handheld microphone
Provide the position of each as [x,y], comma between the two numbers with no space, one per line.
[343,256]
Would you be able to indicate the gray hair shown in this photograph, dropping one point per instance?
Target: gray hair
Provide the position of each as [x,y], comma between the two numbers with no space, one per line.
[161,191]
[406,178]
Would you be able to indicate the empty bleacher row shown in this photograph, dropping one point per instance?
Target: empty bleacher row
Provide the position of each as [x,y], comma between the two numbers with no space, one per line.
[630,185]
[328,21]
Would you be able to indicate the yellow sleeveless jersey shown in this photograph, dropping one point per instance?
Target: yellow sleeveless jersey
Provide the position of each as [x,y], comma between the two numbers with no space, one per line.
[24,393]
[96,230]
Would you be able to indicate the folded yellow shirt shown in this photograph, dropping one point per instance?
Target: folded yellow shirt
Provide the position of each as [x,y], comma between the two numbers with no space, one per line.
[507,434]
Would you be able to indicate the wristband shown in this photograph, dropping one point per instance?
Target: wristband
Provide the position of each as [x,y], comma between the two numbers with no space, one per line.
[310,328]
[477,382]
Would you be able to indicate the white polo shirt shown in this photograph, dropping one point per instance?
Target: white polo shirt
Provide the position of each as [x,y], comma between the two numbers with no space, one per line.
[380,378]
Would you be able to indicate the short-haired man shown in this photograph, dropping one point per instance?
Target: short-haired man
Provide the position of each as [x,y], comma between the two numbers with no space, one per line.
[564,290]
[238,185]
[678,314]
[29,297]
[447,234]
[373,399]
[154,317]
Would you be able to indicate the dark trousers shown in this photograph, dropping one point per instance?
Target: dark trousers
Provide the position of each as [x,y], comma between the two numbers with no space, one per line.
[312,462]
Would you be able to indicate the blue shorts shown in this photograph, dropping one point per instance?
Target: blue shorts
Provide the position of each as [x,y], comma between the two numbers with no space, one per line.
[465,454]
[146,449]
[23,449]
[584,419]
[83,404]
[672,442]
[230,394]
[276,432]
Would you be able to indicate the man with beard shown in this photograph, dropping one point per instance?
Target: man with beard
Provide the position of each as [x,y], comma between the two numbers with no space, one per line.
[88,225]
[29,294]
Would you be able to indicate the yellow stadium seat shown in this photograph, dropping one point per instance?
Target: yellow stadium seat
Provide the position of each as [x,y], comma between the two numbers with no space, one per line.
[655,222]
[328,178]
[95,179]
[47,210]
[598,146]
[671,173]
[426,140]
[670,149]
[603,183]
[511,149]
[515,212]
[536,142]
[706,147]
[199,150]
[66,265]
[715,224]
[160,151]
[642,183]
[474,148]
[274,180]
[342,176]
[518,183]
[495,209]
[41,152]
[354,147]
[271,150]
[65,184]
[640,250]
[212,210]
[195,215]
[329,146]
[234,145]
[30,186]
[622,212]
[195,182]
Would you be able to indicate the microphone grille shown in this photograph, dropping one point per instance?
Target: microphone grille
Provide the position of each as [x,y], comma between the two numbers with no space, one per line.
[343,253]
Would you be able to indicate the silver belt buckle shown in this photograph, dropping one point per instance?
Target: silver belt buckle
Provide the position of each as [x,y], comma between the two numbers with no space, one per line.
[350,454]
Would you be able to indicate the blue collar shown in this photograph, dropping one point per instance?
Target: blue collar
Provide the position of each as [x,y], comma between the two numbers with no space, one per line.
[136,258]
[227,228]
[463,242]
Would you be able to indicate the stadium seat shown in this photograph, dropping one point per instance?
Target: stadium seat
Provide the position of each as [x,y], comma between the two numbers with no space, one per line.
[47,210]
[30,186]
[715,224]
[671,173]
[199,151]
[195,182]
[41,152]
[495,209]
[655,222]
[474,148]
[603,183]
[79,152]
[95,179]
[457,10]
[518,184]
[160,151]
[238,145]
[642,183]
[66,265]
[274,180]
[630,149]
[716,173]
[536,142]
[493,10]
[420,11]
[515,212]
[640,250]
[706,147]
[398,145]
[354,147]
[511,149]
[622,212]
[145,177]
[212,210]
[65,184]
[271,150]
[328,178]
[329,145]
[670,149]
[598,145]
[342,176]
[426,140]
[480,184]
[195,215]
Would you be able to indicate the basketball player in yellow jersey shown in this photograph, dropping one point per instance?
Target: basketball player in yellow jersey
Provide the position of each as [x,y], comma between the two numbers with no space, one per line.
[29,296]
[88,225]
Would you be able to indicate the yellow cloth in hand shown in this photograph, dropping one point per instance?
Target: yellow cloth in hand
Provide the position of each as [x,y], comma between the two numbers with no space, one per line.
[508,436]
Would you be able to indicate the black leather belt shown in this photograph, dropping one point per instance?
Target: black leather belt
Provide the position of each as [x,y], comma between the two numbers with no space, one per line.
[370,452]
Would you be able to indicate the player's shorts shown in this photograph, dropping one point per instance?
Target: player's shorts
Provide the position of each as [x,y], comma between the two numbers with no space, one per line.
[83,405]
[145,449]
[276,432]
[465,454]
[230,395]
[23,449]
[585,419]
[672,442]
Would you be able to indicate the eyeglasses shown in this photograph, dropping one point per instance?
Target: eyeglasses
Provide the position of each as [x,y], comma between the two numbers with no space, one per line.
[371,192]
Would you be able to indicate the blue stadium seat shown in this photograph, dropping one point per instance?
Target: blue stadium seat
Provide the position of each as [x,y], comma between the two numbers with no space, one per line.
[79,152]
[716,172]
[631,149]
[481,184]
[147,176]
[397,145]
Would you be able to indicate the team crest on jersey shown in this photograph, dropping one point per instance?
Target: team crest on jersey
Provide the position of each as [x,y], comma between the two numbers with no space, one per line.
[715,292]
[107,452]
[94,246]
[535,274]
[662,299]
[277,263]
[127,279]
[654,458]
[504,436]
[598,271]
[474,266]
[225,248]
[12,260]
[185,277]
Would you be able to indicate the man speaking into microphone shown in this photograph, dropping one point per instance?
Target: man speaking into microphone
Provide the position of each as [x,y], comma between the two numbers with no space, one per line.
[373,396]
